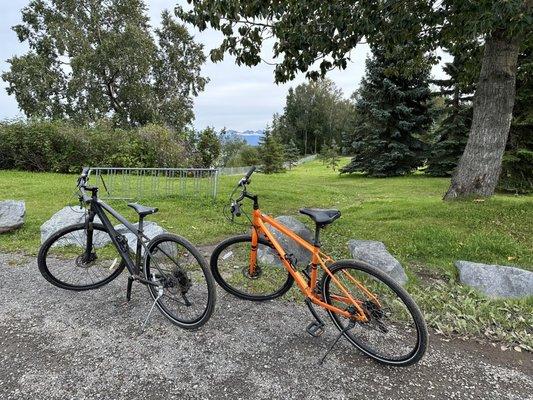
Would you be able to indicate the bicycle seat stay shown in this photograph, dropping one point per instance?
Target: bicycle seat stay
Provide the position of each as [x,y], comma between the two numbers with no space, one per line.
[142,210]
[321,216]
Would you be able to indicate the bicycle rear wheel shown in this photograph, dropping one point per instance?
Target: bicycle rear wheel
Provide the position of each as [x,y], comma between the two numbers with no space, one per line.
[395,333]
[188,293]
[63,260]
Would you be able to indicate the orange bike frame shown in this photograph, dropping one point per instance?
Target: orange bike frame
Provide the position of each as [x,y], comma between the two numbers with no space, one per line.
[318,258]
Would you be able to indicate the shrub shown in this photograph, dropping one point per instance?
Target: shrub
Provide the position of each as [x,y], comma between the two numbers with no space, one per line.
[59,146]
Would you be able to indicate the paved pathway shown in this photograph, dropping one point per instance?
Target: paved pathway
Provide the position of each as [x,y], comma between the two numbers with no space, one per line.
[56,344]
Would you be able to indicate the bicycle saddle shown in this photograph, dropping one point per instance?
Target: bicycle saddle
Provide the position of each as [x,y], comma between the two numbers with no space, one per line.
[321,216]
[142,210]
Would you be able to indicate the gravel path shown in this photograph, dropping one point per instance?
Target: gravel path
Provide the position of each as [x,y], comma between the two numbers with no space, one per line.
[56,344]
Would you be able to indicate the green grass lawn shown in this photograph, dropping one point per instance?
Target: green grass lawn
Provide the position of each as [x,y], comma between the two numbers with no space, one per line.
[426,234]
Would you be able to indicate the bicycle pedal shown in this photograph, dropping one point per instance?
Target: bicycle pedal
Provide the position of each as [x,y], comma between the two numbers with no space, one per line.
[315,329]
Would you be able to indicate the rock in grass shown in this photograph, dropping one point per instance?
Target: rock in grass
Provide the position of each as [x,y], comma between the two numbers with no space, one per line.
[496,280]
[70,215]
[291,247]
[12,214]
[375,253]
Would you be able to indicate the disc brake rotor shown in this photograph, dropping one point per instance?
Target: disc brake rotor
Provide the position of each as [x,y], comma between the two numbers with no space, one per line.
[257,273]
[82,262]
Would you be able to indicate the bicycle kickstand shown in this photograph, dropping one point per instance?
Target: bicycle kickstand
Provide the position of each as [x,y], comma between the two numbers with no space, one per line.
[342,332]
[128,290]
[159,295]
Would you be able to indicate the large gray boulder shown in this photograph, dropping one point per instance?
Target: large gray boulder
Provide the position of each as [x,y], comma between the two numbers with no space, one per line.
[375,253]
[302,255]
[495,280]
[69,216]
[12,214]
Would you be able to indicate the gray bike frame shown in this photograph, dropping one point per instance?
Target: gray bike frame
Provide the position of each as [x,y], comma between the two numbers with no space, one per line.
[97,208]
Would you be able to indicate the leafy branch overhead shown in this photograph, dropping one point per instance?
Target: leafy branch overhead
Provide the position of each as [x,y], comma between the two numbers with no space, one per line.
[315,36]
[90,59]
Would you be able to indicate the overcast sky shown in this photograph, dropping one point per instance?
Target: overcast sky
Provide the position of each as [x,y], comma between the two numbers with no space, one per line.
[239,98]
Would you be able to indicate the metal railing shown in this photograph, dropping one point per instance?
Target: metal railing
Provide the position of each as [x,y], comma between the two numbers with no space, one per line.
[138,183]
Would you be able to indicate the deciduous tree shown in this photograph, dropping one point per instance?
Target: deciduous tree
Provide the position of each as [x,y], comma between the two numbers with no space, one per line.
[208,147]
[90,59]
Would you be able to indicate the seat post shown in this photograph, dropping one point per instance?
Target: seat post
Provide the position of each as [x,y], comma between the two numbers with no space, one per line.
[316,242]
[139,243]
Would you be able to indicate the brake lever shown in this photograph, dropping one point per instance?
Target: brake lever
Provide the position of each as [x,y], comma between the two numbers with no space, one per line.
[235,209]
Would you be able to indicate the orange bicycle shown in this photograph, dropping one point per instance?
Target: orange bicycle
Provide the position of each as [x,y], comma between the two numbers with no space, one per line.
[372,311]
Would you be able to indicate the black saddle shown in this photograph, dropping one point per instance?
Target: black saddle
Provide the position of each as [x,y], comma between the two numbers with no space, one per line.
[321,216]
[142,210]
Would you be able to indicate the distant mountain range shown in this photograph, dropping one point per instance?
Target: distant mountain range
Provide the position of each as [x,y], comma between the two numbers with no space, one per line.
[251,137]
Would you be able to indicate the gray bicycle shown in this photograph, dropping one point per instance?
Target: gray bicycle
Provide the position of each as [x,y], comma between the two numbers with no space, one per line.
[91,254]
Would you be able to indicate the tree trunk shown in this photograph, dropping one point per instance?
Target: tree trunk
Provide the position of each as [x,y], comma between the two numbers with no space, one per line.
[480,165]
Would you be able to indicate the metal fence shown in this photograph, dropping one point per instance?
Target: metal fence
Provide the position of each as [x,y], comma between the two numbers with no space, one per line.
[138,183]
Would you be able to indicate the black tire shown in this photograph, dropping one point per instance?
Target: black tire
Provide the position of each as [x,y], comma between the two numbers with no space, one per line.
[278,278]
[54,256]
[186,279]
[393,298]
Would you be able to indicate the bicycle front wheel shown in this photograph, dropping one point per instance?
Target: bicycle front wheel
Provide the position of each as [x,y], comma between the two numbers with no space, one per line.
[67,260]
[230,263]
[395,332]
[185,290]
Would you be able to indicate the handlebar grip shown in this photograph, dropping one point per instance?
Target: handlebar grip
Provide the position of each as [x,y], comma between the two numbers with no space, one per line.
[249,173]
[245,179]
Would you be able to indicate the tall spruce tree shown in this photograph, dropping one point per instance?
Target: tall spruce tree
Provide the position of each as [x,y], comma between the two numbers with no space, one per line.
[393,109]
[291,153]
[270,153]
[451,134]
